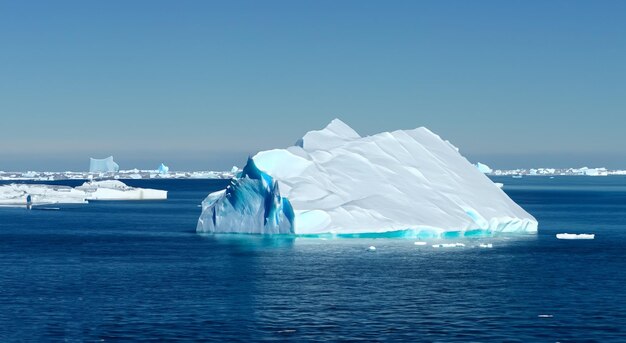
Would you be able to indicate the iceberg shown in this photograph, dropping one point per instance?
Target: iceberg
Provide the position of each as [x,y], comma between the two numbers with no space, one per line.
[484,168]
[163,169]
[16,195]
[105,165]
[117,190]
[407,183]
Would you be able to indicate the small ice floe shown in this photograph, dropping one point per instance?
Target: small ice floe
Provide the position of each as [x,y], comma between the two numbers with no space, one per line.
[286,331]
[420,243]
[500,185]
[545,316]
[486,245]
[371,248]
[575,236]
[449,245]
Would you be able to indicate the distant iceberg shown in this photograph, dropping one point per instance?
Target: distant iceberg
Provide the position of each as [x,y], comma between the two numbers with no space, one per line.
[105,165]
[409,182]
[163,169]
[485,169]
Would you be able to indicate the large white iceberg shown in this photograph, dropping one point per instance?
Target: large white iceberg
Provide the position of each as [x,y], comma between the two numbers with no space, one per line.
[105,165]
[409,182]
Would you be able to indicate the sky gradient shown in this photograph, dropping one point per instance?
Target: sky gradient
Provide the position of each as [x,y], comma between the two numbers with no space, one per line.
[203,84]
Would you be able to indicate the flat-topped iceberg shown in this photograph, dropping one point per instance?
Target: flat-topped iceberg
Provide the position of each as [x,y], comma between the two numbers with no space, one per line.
[16,195]
[410,182]
[117,190]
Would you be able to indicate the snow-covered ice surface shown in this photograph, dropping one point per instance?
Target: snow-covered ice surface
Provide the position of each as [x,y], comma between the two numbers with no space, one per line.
[409,182]
[15,195]
[117,190]
[575,236]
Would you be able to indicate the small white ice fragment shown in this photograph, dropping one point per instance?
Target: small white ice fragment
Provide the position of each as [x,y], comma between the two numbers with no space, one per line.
[487,246]
[448,245]
[575,236]
[545,316]
[420,243]
[372,248]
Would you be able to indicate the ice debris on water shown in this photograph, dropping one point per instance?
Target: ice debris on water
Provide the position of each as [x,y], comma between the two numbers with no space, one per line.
[575,236]
[372,248]
[486,245]
[420,243]
[449,245]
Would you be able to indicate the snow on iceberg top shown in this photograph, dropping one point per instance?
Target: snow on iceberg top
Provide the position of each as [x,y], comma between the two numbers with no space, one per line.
[336,133]
[338,181]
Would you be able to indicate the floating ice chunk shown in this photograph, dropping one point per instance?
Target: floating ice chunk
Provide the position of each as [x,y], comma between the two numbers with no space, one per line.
[499,185]
[420,243]
[372,248]
[545,316]
[16,195]
[486,246]
[117,190]
[575,236]
[449,245]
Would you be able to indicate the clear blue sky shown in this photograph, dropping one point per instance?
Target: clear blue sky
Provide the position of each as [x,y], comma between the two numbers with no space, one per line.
[202,84]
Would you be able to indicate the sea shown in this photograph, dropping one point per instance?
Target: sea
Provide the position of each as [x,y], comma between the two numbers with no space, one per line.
[138,272]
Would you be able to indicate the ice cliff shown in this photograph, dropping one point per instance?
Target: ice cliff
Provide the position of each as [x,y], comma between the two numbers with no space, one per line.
[250,204]
[407,181]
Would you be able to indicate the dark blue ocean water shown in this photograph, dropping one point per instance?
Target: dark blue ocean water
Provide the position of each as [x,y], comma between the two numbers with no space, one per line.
[137,271]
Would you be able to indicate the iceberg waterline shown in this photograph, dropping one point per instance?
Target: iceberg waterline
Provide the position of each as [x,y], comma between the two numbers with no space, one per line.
[408,183]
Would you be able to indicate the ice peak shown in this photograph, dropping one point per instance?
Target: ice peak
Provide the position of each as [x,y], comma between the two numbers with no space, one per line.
[334,134]
[341,129]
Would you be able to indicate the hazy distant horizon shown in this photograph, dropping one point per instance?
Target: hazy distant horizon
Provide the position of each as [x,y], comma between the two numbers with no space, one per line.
[202,85]
[225,160]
